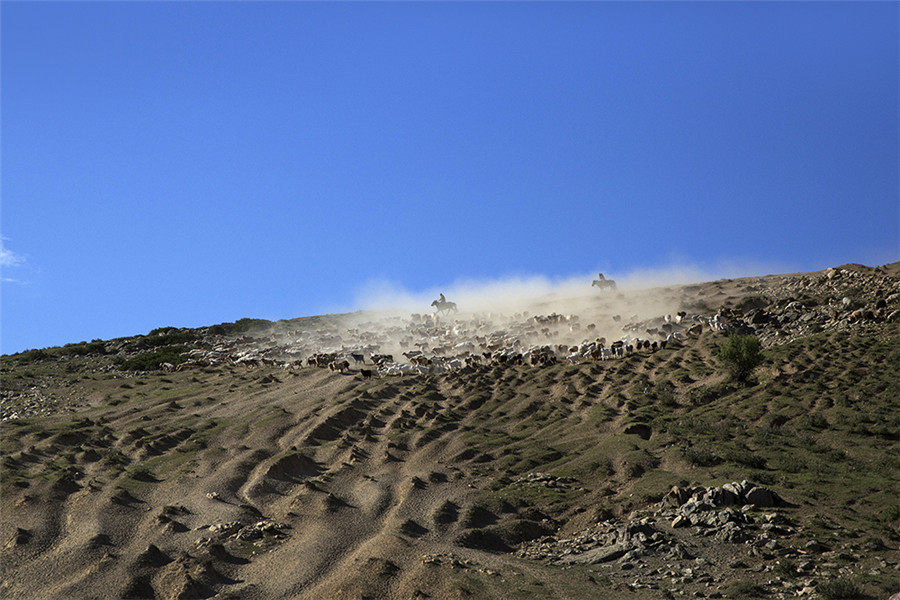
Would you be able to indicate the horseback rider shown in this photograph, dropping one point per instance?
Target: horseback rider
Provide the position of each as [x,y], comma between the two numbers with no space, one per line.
[442,300]
[601,277]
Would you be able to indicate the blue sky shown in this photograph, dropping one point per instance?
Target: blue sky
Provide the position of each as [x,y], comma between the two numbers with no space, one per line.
[191,163]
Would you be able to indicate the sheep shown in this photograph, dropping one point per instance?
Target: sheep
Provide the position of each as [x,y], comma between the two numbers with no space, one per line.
[379,359]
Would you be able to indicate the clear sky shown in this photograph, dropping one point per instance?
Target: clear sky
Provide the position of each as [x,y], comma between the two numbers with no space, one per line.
[189,163]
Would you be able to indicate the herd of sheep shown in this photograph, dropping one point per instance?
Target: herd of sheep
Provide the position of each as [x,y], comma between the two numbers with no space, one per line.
[431,343]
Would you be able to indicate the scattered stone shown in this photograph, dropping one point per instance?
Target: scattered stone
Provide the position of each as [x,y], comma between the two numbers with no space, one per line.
[816,546]
[545,480]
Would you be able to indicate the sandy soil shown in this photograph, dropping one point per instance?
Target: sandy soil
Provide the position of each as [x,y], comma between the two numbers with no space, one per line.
[231,482]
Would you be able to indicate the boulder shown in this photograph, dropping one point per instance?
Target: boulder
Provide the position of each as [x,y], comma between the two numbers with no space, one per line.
[763,497]
[677,496]
[599,555]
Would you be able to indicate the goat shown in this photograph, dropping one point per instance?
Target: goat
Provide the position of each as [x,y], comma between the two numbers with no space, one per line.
[339,365]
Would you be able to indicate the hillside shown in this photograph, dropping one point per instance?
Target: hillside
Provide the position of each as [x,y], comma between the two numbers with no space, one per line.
[504,455]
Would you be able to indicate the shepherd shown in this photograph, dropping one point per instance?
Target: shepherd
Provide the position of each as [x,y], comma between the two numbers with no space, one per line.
[603,283]
[442,306]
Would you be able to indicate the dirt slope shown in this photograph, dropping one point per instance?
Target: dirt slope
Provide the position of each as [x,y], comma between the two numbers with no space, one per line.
[262,479]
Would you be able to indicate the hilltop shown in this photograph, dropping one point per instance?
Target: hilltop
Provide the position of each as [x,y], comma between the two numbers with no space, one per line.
[556,447]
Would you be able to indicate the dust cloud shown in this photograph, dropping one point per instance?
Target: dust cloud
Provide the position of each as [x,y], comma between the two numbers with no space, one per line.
[526,310]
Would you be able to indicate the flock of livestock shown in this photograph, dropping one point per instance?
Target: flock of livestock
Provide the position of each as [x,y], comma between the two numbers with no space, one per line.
[433,343]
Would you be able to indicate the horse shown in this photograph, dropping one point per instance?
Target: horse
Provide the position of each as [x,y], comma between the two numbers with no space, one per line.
[604,284]
[444,307]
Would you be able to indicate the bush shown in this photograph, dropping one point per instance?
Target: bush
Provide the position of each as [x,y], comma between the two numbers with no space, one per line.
[741,355]
[29,356]
[745,457]
[85,348]
[165,337]
[150,361]
[786,568]
[839,589]
[700,457]
[239,326]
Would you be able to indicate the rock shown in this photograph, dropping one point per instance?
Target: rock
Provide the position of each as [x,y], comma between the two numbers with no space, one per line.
[722,496]
[677,496]
[733,488]
[809,590]
[764,497]
[598,555]
[759,317]
[732,532]
[692,506]
[816,546]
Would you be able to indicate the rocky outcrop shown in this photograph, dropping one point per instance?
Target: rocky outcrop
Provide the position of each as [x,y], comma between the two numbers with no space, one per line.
[693,499]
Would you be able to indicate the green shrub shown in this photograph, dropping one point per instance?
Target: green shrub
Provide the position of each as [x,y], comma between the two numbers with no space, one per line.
[29,356]
[703,395]
[239,326]
[150,361]
[786,568]
[815,421]
[700,457]
[85,348]
[839,589]
[741,355]
[745,457]
[165,337]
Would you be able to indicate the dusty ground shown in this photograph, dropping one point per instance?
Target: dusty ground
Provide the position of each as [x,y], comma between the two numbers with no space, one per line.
[234,482]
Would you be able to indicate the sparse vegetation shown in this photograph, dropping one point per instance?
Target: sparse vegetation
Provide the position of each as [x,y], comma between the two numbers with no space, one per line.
[840,589]
[150,361]
[489,459]
[239,327]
